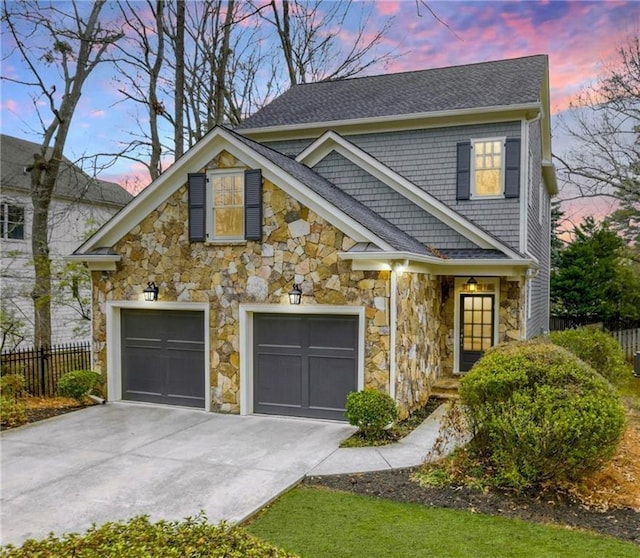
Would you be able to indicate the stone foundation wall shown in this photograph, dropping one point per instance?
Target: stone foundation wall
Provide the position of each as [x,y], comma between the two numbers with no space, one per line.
[417,339]
[298,246]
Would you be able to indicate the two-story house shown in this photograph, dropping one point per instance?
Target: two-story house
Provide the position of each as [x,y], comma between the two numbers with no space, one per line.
[79,205]
[378,232]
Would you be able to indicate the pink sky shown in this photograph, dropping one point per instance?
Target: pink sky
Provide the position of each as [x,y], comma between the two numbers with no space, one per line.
[578,36]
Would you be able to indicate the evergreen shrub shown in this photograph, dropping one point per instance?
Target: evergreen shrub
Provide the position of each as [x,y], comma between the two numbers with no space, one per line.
[371,411]
[538,413]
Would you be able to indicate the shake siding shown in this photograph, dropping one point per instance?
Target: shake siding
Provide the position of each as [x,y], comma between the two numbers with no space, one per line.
[539,237]
[389,204]
[428,159]
[290,148]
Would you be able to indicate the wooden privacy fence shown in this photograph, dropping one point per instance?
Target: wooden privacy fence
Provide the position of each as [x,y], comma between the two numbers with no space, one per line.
[43,367]
[629,339]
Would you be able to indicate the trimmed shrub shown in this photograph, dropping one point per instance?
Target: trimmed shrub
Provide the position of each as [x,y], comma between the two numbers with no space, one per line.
[371,411]
[13,410]
[78,383]
[597,348]
[539,413]
[13,385]
[139,538]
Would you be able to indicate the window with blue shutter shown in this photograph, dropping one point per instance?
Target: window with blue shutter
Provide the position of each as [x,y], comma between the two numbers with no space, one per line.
[225,205]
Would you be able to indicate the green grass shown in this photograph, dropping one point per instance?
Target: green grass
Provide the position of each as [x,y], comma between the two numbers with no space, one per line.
[316,522]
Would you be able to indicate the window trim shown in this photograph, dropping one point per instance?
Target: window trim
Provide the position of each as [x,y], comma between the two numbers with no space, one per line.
[210,207]
[472,179]
[4,221]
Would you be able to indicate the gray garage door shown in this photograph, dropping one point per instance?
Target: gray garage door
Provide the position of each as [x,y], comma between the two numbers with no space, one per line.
[163,357]
[304,365]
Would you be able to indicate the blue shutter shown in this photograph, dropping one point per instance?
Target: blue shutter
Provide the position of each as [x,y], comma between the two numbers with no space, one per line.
[463,171]
[512,168]
[197,184]
[253,204]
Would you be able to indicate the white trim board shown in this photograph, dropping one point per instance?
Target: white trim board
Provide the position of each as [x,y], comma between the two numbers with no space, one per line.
[246,312]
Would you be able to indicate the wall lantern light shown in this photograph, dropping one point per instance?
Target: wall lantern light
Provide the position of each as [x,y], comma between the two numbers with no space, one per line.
[295,294]
[151,292]
[472,285]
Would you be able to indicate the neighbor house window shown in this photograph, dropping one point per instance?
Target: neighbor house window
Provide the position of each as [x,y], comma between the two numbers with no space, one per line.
[227,194]
[487,167]
[12,221]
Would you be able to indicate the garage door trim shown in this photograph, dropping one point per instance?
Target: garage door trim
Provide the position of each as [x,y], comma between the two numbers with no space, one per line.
[247,312]
[114,341]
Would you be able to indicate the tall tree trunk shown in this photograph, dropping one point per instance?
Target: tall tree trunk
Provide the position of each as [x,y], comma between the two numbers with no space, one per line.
[179,85]
[223,63]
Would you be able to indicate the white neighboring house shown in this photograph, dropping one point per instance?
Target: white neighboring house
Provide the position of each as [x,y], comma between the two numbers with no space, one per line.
[80,205]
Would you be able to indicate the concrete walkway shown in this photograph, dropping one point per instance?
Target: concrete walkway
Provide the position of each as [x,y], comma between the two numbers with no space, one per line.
[408,452]
[116,461]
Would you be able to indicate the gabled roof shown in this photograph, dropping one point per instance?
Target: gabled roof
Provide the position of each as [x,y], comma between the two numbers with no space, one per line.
[332,141]
[73,184]
[298,180]
[512,82]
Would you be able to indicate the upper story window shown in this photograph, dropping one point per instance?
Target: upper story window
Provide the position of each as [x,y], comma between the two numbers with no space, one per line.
[225,205]
[11,221]
[488,168]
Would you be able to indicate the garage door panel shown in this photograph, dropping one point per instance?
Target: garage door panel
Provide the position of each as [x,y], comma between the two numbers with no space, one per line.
[304,365]
[335,333]
[330,379]
[279,382]
[282,331]
[163,357]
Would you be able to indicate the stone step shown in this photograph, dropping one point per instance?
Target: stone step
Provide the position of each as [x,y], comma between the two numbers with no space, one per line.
[446,388]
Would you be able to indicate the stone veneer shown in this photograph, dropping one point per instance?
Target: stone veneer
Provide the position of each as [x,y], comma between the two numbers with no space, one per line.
[417,339]
[297,246]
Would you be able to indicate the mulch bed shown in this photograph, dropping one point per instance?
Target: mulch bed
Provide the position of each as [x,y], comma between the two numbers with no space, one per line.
[540,508]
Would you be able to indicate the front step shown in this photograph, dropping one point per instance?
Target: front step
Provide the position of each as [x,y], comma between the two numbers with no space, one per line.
[446,388]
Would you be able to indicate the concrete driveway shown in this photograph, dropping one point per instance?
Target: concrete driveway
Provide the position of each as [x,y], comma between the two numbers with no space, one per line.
[115,461]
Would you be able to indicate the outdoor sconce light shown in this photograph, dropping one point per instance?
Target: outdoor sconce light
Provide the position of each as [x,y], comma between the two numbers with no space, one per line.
[151,292]
[295,294]
[472,285]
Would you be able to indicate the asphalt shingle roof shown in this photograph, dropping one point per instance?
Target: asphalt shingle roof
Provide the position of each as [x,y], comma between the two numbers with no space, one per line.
[487,84]
[16,154]
[398,239]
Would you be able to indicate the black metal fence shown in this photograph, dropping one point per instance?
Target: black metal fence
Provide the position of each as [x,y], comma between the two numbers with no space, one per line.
[43,367]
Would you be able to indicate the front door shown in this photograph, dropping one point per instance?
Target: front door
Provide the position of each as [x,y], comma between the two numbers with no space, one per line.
[476,327]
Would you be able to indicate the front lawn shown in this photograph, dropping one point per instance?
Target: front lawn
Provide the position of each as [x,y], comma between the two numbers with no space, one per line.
[316,522]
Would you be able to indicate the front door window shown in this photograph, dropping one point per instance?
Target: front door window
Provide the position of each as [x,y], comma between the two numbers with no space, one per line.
[476,327]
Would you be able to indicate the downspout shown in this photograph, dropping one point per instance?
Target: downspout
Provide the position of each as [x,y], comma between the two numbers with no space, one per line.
[393,318]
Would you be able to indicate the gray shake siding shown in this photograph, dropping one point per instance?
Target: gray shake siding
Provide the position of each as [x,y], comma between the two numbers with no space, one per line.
[389,204]
[538,238]
[427,158]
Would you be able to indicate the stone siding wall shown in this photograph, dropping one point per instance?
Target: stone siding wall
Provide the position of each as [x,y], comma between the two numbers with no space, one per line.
[298,246]
[417,339]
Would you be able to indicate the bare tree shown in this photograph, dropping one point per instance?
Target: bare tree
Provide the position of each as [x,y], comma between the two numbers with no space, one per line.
[309,36]
[75,45]
[604,128]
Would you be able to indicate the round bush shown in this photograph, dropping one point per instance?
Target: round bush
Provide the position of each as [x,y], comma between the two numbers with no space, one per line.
[598,349]
[371,411]
[539,413]
[78,383]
